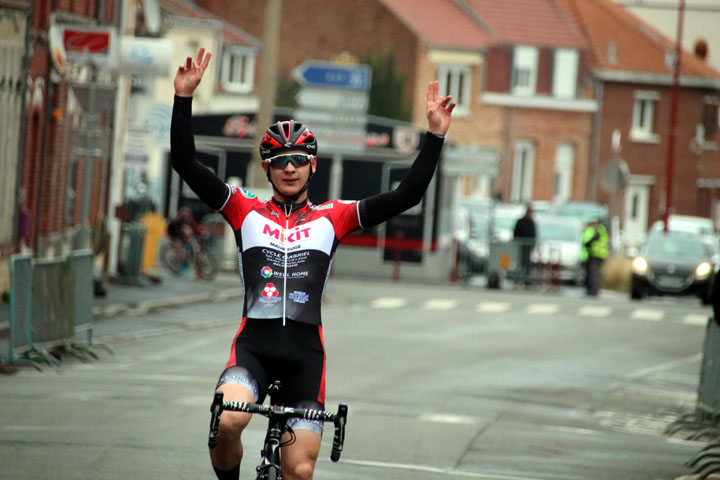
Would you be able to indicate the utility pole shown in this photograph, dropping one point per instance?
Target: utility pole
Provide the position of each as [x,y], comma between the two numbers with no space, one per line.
[672,133]
[268,86]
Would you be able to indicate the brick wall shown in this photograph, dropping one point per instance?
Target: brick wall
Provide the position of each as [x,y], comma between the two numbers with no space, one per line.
[311,29]
[651,158]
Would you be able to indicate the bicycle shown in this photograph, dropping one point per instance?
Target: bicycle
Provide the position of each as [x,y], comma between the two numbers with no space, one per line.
[194,253]
[269,467]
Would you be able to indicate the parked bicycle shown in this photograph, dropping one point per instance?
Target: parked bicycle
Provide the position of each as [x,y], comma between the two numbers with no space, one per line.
[269,467]
[193,253]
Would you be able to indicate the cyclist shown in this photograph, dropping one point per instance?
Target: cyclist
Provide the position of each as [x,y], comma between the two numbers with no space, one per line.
[285,247]
[180,230]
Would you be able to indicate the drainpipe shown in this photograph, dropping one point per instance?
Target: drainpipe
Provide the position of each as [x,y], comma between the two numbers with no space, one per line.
[23,124]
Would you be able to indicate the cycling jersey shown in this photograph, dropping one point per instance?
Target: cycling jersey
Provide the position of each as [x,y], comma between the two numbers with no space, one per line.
[285,250]
[285,254]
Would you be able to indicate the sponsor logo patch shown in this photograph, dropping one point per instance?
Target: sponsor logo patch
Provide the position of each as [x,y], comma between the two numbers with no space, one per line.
[247,194]
[325,207]
[299,297]
[293,235]
[270,294]
[266,272]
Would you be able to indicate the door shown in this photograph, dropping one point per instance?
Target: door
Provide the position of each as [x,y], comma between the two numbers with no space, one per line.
[637,199]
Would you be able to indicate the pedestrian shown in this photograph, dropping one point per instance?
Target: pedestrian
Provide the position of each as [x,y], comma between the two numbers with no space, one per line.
[594,253]
[285,248]
[525,235]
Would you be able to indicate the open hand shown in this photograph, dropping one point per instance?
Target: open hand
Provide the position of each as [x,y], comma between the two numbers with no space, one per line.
[189,75]
[438,109]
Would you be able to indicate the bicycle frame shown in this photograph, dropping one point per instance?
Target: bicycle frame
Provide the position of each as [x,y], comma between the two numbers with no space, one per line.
[269,467]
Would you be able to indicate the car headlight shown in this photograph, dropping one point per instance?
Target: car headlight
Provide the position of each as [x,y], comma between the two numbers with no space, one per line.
[639,265]
[703,270]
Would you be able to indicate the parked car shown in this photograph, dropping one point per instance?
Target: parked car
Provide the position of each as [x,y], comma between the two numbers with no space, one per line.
[584,211]
[675,263]
[504,216]
[559,241]
[686,223]
[471,234]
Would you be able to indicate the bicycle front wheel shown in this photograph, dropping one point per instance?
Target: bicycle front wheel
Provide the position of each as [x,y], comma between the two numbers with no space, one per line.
[269,473]
[207,266]
[169,259]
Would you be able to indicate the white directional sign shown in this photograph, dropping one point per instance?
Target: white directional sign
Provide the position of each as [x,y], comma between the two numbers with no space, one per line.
[333,103]
[313,97]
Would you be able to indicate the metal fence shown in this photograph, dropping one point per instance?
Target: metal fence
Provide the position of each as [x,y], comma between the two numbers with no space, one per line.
[50,303]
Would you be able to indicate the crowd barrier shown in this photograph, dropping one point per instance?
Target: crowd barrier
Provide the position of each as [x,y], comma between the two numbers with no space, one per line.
[505,262]
[704,421]
[51,304]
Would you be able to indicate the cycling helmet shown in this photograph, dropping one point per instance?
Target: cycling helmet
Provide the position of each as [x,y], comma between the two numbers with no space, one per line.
[289,135]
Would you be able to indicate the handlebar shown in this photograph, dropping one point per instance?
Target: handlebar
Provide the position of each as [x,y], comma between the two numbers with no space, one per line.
[339,419]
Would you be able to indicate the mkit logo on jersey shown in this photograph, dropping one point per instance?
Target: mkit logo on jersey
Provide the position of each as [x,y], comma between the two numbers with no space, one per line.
[289,237]
[270,294]
[266,272]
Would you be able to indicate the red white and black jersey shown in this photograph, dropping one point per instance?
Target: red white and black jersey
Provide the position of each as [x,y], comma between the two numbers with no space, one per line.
[285,256]
[285,250]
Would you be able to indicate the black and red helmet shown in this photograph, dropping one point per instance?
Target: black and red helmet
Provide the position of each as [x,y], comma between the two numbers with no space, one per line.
[289,135]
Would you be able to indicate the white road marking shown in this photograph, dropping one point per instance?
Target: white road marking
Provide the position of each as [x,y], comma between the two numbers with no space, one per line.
[696,319]
[389,302]
[665,366]
[440,304]
[595,311]
[543,308]
[424,468]
[492,307]
[647,314]
[447,418]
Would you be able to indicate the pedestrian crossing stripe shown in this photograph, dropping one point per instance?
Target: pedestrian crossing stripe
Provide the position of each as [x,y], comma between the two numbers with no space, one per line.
[647,314]
[492,307]
[695,319]
[389,302]
[595,311]
[440,304]
[543,308]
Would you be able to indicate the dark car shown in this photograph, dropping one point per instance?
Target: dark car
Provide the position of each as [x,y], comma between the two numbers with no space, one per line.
[674,263]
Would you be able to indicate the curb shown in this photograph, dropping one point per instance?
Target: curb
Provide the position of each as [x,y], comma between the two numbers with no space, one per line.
[146,306]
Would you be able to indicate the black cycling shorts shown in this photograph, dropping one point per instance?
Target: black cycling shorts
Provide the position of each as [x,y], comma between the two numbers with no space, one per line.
[264,351]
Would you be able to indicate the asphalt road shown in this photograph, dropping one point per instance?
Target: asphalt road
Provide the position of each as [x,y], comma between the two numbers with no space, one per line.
[441,382]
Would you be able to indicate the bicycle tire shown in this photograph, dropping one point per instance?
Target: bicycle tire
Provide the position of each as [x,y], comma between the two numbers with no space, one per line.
[207,266]
[169,259]
[269,473]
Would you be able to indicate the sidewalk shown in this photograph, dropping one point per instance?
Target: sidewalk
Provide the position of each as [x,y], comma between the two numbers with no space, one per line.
[171,291]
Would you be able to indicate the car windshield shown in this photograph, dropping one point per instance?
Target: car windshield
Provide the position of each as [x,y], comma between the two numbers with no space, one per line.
[677,247]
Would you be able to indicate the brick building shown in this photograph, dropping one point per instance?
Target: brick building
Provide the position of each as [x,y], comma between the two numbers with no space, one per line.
[632,65]
[540,131]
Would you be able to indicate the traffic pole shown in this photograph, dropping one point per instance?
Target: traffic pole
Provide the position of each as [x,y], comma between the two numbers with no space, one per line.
[672,134]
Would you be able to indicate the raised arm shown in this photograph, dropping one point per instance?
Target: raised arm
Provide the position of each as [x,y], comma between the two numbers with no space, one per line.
[208,187]
[381,207]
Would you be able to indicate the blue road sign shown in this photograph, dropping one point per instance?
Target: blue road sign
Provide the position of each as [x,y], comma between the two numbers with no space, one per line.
[333,75]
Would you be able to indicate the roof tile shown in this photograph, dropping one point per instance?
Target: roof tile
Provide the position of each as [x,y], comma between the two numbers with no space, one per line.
[440,23]
[623,42]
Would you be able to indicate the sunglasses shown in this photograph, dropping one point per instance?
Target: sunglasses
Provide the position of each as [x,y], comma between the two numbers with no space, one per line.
[297,160]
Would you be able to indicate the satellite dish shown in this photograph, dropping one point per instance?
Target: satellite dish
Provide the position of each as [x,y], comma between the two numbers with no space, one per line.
[151,11]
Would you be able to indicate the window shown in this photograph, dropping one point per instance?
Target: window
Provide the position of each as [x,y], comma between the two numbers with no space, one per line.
[564,160]
[524,73]
[237,69]
[643,122]
[523,169]
[565,72]
[455,80]
[710,116]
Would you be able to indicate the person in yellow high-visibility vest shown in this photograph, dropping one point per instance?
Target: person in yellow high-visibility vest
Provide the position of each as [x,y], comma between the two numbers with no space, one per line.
[594,253]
